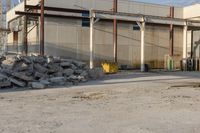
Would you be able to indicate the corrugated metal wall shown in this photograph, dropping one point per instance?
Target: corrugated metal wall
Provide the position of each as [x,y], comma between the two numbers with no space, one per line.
[68,38]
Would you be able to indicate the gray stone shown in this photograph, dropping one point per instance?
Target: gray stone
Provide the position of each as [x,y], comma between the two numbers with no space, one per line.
[45,82]
[68,72]
[17,82]
[96,73]
[58,74]
[57,79]
[40,68]
[73,67]
[79,64]
[39,59]
[84,73]
[38,85]
[65,64]
[78,72]
[6,83]
[38,75]
[22,76]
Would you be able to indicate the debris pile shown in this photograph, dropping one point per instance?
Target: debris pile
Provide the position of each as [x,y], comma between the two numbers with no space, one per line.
[40,72]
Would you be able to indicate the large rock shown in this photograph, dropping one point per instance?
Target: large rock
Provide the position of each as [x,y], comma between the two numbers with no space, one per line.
[65,64]
[57,80]
[4,82]
[22,76]
[79,64]
[68,72]
[40,68]
[38,85]
[96,73]
[17,82]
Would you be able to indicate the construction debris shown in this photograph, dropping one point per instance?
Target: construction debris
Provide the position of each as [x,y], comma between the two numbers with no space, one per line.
[39,72]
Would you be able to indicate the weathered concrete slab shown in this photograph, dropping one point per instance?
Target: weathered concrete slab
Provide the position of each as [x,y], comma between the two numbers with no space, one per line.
[38,85]
[17,82]
[22,76]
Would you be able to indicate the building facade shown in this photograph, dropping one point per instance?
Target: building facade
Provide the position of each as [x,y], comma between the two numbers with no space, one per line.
[68,37]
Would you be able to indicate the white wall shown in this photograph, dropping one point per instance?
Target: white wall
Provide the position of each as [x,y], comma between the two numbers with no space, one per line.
[191,11]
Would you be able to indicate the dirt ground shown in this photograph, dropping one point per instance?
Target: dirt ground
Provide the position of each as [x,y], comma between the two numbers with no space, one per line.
[129,102]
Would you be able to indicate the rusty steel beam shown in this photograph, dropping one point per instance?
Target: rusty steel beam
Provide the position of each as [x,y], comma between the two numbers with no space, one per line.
[192,44]
[171,45]
[42,27]
[25,51]
[57,9]
[115,5]
[49,15]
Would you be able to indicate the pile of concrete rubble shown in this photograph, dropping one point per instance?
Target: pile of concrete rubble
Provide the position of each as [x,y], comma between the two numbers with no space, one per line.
[40,72]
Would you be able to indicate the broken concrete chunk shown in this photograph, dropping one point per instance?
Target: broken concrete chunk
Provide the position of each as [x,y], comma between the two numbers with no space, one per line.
[65,64]
[39,71]
[45,82]
[78,72]
[38,75]
[57,79]
[79,63]
[68,72]
[39,59]
[96,73]
[40,68]
[73,67]
[22,76]
[17,82]
[5,84]
[38,85]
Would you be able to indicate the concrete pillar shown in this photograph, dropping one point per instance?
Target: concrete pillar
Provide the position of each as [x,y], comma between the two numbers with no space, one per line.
[91,40]
[185,28]
[142,28]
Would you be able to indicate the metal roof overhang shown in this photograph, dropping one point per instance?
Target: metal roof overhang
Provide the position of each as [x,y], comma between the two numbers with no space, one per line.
[144,18]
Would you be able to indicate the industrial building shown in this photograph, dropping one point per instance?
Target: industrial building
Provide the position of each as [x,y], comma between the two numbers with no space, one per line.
[4,7]
[84,30]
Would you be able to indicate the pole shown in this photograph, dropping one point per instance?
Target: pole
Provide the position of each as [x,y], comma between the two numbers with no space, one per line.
[142,28]
[171,46]
[185,42]
[115,5]
[91,40]
[192,41]
[42,28]
[25,51]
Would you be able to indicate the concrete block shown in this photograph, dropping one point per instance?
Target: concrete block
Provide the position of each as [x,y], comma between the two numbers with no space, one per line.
[17,82]
[38,85]
[57,79]
[68,72]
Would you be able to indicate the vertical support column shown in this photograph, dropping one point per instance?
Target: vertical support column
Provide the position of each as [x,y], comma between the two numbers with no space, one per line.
[171,45]
[185,28]
[142,28]
[91,39]
[192,41]
[115,4]
[42,28]
[25,49]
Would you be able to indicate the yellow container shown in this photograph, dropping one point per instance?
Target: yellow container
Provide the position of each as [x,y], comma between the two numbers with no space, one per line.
[110,68]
